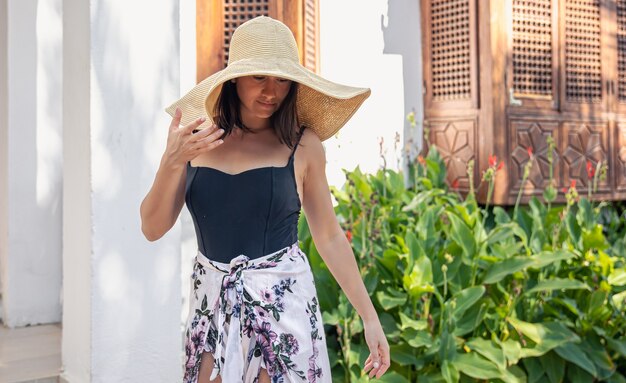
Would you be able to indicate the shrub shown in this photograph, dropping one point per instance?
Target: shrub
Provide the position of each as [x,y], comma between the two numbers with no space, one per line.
[470,293]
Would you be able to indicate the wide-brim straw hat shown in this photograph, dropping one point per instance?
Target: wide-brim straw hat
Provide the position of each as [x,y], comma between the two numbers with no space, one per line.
[265,46]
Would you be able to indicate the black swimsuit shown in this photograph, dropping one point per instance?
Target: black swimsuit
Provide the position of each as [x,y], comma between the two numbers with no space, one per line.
[254,212]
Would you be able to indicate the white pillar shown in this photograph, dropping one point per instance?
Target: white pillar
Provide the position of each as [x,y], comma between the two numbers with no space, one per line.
[122,294]
[4,150]
[30,255]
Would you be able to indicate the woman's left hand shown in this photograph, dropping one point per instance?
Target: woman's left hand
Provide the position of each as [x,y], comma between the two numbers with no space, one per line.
[379,360]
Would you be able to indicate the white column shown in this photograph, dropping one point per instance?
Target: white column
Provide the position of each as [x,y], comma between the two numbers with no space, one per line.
[4,150]
[30,257]
[122,294]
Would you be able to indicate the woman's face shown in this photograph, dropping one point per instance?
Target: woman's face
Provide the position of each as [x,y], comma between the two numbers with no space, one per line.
[260,97]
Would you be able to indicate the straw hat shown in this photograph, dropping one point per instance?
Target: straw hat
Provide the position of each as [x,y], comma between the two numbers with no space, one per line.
[264,46]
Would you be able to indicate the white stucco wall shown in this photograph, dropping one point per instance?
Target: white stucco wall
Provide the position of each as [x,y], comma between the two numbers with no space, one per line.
[122,294]
[373,44]
[30,258]
[189,246]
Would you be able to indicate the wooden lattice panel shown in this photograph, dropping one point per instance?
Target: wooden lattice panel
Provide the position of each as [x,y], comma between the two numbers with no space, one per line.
[620,157]
[532,47]
[455,142]
[450,47]
[310,35]
[533,134]
[236,12]
[621,49]
[585,142]
[583,81]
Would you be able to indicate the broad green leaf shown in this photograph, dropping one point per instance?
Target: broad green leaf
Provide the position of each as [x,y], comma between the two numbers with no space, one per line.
[489,350]
[534,368]
[574,230]
[616,378]
[413,281]
[447,348]
[596,351]
[578,375]
[512,351]
[553,366]
[462,235]
[546,258]
[470,320]
[330,318]
[619,300]
[500,270]
[594,239]
[407,322]
[371,279]
[390,298]
[403,354]
[466,298]
[417,338]
[392,377]
[390,260]
[585,214]
[596,300]
[547,335]
[558,284]
[389,325]
[574,354]
[475,366]
[618,277]
[617,345]
[449,372]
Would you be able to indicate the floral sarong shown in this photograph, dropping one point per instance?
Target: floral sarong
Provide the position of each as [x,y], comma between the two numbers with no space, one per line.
[253,314]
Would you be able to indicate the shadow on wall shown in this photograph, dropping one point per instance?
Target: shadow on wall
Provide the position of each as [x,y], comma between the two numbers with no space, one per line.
[402,36]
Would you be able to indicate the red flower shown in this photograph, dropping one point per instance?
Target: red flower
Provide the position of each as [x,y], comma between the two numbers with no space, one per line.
[349,236]
[501,165]
[493,160]
[530,151]
[455,184]
[573,184]
[564,190]
[591,170]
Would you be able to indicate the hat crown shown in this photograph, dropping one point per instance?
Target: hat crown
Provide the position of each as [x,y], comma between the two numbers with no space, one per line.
[262,37]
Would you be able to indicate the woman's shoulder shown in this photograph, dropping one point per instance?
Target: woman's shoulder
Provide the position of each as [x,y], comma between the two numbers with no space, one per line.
[311,149]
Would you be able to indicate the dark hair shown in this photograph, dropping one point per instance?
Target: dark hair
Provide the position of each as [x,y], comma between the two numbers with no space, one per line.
[227,114]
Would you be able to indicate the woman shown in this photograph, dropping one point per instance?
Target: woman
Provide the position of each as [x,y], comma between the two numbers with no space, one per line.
[254,314]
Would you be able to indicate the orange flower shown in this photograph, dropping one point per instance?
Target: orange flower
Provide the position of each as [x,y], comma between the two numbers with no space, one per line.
[421,160]
[530,151]
[455,184]
[493,160]
[573,184]
[591,170]
[349,236]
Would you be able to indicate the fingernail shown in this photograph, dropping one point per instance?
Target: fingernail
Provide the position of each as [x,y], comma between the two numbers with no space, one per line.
[376,364]
[202,119]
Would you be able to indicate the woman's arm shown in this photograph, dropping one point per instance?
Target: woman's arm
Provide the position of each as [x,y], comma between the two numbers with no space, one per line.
[163,203]
[335,249]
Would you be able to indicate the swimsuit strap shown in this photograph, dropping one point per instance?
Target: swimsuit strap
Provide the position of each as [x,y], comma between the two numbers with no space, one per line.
[300,133]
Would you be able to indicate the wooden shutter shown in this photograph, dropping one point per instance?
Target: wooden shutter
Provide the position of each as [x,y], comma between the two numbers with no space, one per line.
[533,73]
[310,35]
[621,52]
[216,20]
[582,56]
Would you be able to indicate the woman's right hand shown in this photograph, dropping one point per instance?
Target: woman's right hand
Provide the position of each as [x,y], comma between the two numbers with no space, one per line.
[183,145]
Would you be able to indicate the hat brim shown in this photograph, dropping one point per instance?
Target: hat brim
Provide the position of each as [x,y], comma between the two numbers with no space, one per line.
[322,105]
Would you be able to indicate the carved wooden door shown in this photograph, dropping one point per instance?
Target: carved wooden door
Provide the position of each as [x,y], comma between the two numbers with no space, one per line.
[216,20]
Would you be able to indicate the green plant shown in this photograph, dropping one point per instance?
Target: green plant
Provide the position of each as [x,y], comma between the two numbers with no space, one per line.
[536,296]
